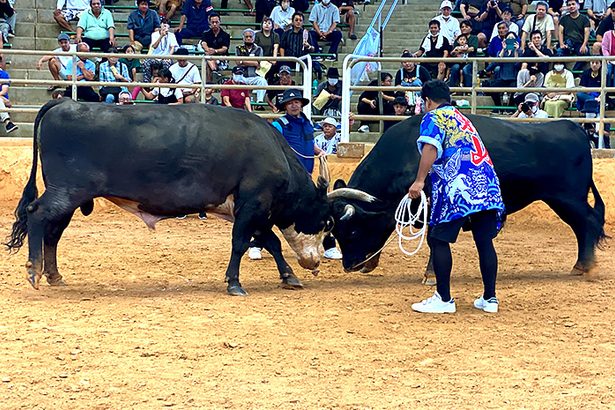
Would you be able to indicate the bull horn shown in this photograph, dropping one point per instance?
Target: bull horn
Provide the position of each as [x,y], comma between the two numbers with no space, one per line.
[348,212]
[351,193]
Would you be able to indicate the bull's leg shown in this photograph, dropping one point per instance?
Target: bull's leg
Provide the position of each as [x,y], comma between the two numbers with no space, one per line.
[53,233]
[577,215]
[34,266]
[429,277]
[246,217]
[273,245]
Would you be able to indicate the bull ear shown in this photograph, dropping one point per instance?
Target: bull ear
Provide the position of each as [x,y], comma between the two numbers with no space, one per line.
[340,183]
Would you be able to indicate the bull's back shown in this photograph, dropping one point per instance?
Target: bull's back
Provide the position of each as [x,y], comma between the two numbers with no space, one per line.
[113,149]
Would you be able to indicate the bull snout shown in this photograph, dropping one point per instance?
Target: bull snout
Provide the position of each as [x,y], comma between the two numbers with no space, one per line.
[307,247]
[309,263]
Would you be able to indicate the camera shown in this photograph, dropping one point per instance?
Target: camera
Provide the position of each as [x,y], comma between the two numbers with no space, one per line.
[525,107]
[493,3]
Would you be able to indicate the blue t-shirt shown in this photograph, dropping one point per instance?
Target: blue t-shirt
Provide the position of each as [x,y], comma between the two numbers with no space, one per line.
[463,178]
[299,133]
[5,76]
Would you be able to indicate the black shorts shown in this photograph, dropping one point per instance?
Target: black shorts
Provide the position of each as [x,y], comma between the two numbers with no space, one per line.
[482,224]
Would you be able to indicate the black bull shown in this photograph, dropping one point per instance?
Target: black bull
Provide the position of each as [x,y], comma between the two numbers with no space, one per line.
[160,162]
[540,162]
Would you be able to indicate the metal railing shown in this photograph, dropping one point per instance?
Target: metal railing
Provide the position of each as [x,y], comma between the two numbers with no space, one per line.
[351,60]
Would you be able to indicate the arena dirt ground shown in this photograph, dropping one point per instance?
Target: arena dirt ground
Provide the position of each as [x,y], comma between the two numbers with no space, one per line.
[145,322]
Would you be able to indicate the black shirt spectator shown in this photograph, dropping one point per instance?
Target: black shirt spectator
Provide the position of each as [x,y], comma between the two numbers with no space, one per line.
[409,72]
[530,51]
[219,41]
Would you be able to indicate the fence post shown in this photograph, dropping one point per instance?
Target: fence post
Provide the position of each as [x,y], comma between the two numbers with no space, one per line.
[74,78]
[204,67]
[602,103]
[346,99]
[473,98]
[307,85]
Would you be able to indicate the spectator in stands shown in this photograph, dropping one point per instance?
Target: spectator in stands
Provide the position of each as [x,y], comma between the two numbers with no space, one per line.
[346,8]
[69,10]
[462,73]
[85,70]
[605,25]
[282,16]
[574,34]
[273,96]
[324,18]
[332,87]
[411,74]
[250,74]
[296,42]
[540,21]
[164,95]
[58,61]
[112,70]
[400,109]
[263,8]
[237,97]
[556,10]
[506,75]
[141,24]
[328,139]
[215,42]
[7,21]
[125,98]
[530,108]
[518,9]
[589,78]
[4,100]
[533,74]
[449,25]
[370,101]
[96,27]
[434,45]
[133,64]
[167,8]
[596,11]
[495,46]
[608,50]
[209,97]
[555,103]
[184,72]
[194,20]
[488,18]
[269,41]
[506,18]
[471,11]
[461,49]
[163,43]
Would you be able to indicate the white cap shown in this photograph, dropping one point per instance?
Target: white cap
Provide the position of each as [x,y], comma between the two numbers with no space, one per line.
[446,3]
[531,97]
[330,121]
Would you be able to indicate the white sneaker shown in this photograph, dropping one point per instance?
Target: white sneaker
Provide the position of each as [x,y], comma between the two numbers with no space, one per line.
[435,304]
[490,305]
[333,253]
[364,128]
[255,254]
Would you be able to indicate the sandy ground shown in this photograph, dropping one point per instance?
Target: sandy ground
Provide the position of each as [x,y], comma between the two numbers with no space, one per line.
[145,323]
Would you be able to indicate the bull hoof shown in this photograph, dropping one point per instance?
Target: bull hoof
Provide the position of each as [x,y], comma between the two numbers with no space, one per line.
[56,280]
[236,290]
[579,270]
[429,280]
[291,282]
[33,276]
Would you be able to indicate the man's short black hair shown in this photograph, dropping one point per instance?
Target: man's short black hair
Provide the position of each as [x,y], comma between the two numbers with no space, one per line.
[536,32]
[214,14]
[437,91]
[432,22]
[297,13]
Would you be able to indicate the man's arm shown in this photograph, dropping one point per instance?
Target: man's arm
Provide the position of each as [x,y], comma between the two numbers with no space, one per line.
[585,38]
[560,36]
[131,36]
[87,74]
[429,155]
[182,21]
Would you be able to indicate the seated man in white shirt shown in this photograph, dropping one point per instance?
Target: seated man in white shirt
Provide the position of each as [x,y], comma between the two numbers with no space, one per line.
[449,25]
[69,10]
[530,108]
[184,72]
[59,60]
[328,139]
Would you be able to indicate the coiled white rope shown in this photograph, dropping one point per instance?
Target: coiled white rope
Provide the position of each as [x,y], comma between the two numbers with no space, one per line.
[404,221]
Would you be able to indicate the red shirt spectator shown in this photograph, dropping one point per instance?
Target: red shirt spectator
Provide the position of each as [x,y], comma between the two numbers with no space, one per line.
[238,97]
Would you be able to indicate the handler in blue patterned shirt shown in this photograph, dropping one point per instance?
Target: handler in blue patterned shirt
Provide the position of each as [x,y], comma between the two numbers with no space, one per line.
[465,194]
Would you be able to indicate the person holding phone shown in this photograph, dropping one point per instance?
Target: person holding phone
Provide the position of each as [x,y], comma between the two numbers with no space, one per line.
[506,76]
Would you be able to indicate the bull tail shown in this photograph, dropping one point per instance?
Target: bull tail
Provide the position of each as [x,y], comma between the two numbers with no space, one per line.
[599,214]
[30,192]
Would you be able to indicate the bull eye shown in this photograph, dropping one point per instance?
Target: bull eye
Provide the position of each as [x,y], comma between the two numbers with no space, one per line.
[329,225]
